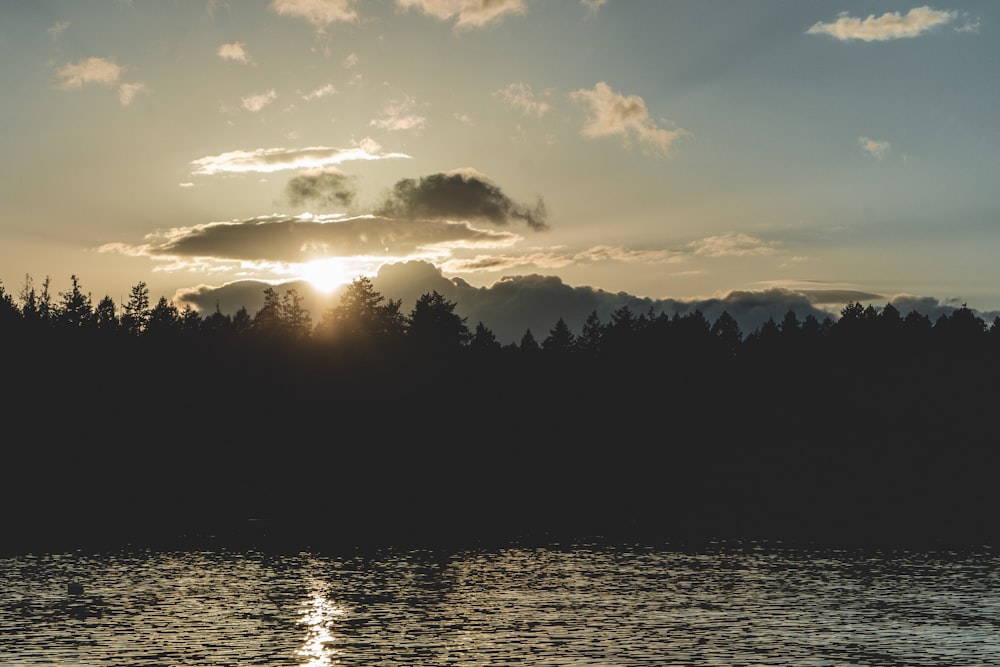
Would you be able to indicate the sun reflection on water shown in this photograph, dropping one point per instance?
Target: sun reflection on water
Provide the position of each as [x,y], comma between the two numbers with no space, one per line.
[318,614]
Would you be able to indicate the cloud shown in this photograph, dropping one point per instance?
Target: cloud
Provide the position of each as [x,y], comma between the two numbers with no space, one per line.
[891,25]
[520,96]
[322,91]
[90,70]
[466,13]
[612,114]
[320,13]
[257,102]
[235,52]
[286,240]
[57,29]
[519,302]
[730,245]
[877,149]
[350,60]
[458,195]
[555,259]
[325,188]
[100,71]
[971,26]
[128,91]
[269,160]
[593,5]
[397,116]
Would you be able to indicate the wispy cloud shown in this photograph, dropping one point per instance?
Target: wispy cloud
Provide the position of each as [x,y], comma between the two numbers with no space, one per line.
[520,96]
[57,29]
[557,259]
[970,25]
[322,91]
[320,13]
[612,114]
[235,52]
[259,101]
[90,70]
[730,245]
[396,116]
[102,72]
[877,149]
[465,13]
[891,25]
[268,160]
[128,91]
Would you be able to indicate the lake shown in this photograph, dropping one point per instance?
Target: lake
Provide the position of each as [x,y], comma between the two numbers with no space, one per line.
[576,604]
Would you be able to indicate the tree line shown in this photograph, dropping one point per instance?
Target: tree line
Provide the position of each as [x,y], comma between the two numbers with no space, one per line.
[364,317]
[376,424]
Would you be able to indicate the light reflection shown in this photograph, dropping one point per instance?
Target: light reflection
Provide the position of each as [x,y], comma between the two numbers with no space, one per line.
[317,615]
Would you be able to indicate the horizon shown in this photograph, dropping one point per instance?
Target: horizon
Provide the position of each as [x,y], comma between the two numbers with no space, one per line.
[813,150]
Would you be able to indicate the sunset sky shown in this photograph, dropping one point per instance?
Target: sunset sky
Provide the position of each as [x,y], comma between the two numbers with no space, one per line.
[666,149]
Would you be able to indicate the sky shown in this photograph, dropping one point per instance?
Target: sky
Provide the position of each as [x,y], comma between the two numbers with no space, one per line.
[696,152]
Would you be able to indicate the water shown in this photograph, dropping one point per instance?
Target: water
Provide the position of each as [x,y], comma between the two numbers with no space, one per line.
[570,605]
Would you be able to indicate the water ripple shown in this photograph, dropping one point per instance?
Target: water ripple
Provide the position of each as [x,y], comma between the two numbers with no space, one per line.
[584,605]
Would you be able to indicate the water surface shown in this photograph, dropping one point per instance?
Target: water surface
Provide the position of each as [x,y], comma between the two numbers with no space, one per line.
[570,605]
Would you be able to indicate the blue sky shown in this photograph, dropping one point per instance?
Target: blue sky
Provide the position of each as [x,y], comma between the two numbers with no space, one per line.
[666,149]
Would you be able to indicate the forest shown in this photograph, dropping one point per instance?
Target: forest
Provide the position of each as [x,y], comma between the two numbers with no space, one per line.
[139,423]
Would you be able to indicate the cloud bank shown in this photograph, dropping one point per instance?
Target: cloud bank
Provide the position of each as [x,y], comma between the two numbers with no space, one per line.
[517,303]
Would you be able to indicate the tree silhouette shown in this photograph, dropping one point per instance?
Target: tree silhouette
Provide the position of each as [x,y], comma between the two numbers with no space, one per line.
[363,316]
[75,310]
[164,319]
[105,315]
[560,339]
[135,314]
[484,341]
[434,327]
[528,343]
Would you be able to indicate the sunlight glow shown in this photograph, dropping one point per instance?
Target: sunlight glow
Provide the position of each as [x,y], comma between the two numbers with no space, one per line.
[326,275]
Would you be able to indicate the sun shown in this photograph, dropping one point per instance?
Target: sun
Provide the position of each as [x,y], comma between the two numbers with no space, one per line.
[325,275]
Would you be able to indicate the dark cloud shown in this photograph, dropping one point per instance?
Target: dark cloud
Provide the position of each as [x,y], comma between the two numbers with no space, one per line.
[326,189]
[296,239]
[516,303]
[248,294]
[458,196]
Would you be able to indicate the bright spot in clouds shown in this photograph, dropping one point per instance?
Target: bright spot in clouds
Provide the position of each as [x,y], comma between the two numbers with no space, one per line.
[326,275]
[267,160]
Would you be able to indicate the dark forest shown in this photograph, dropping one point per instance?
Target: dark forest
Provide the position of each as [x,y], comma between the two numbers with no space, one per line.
[141,424]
